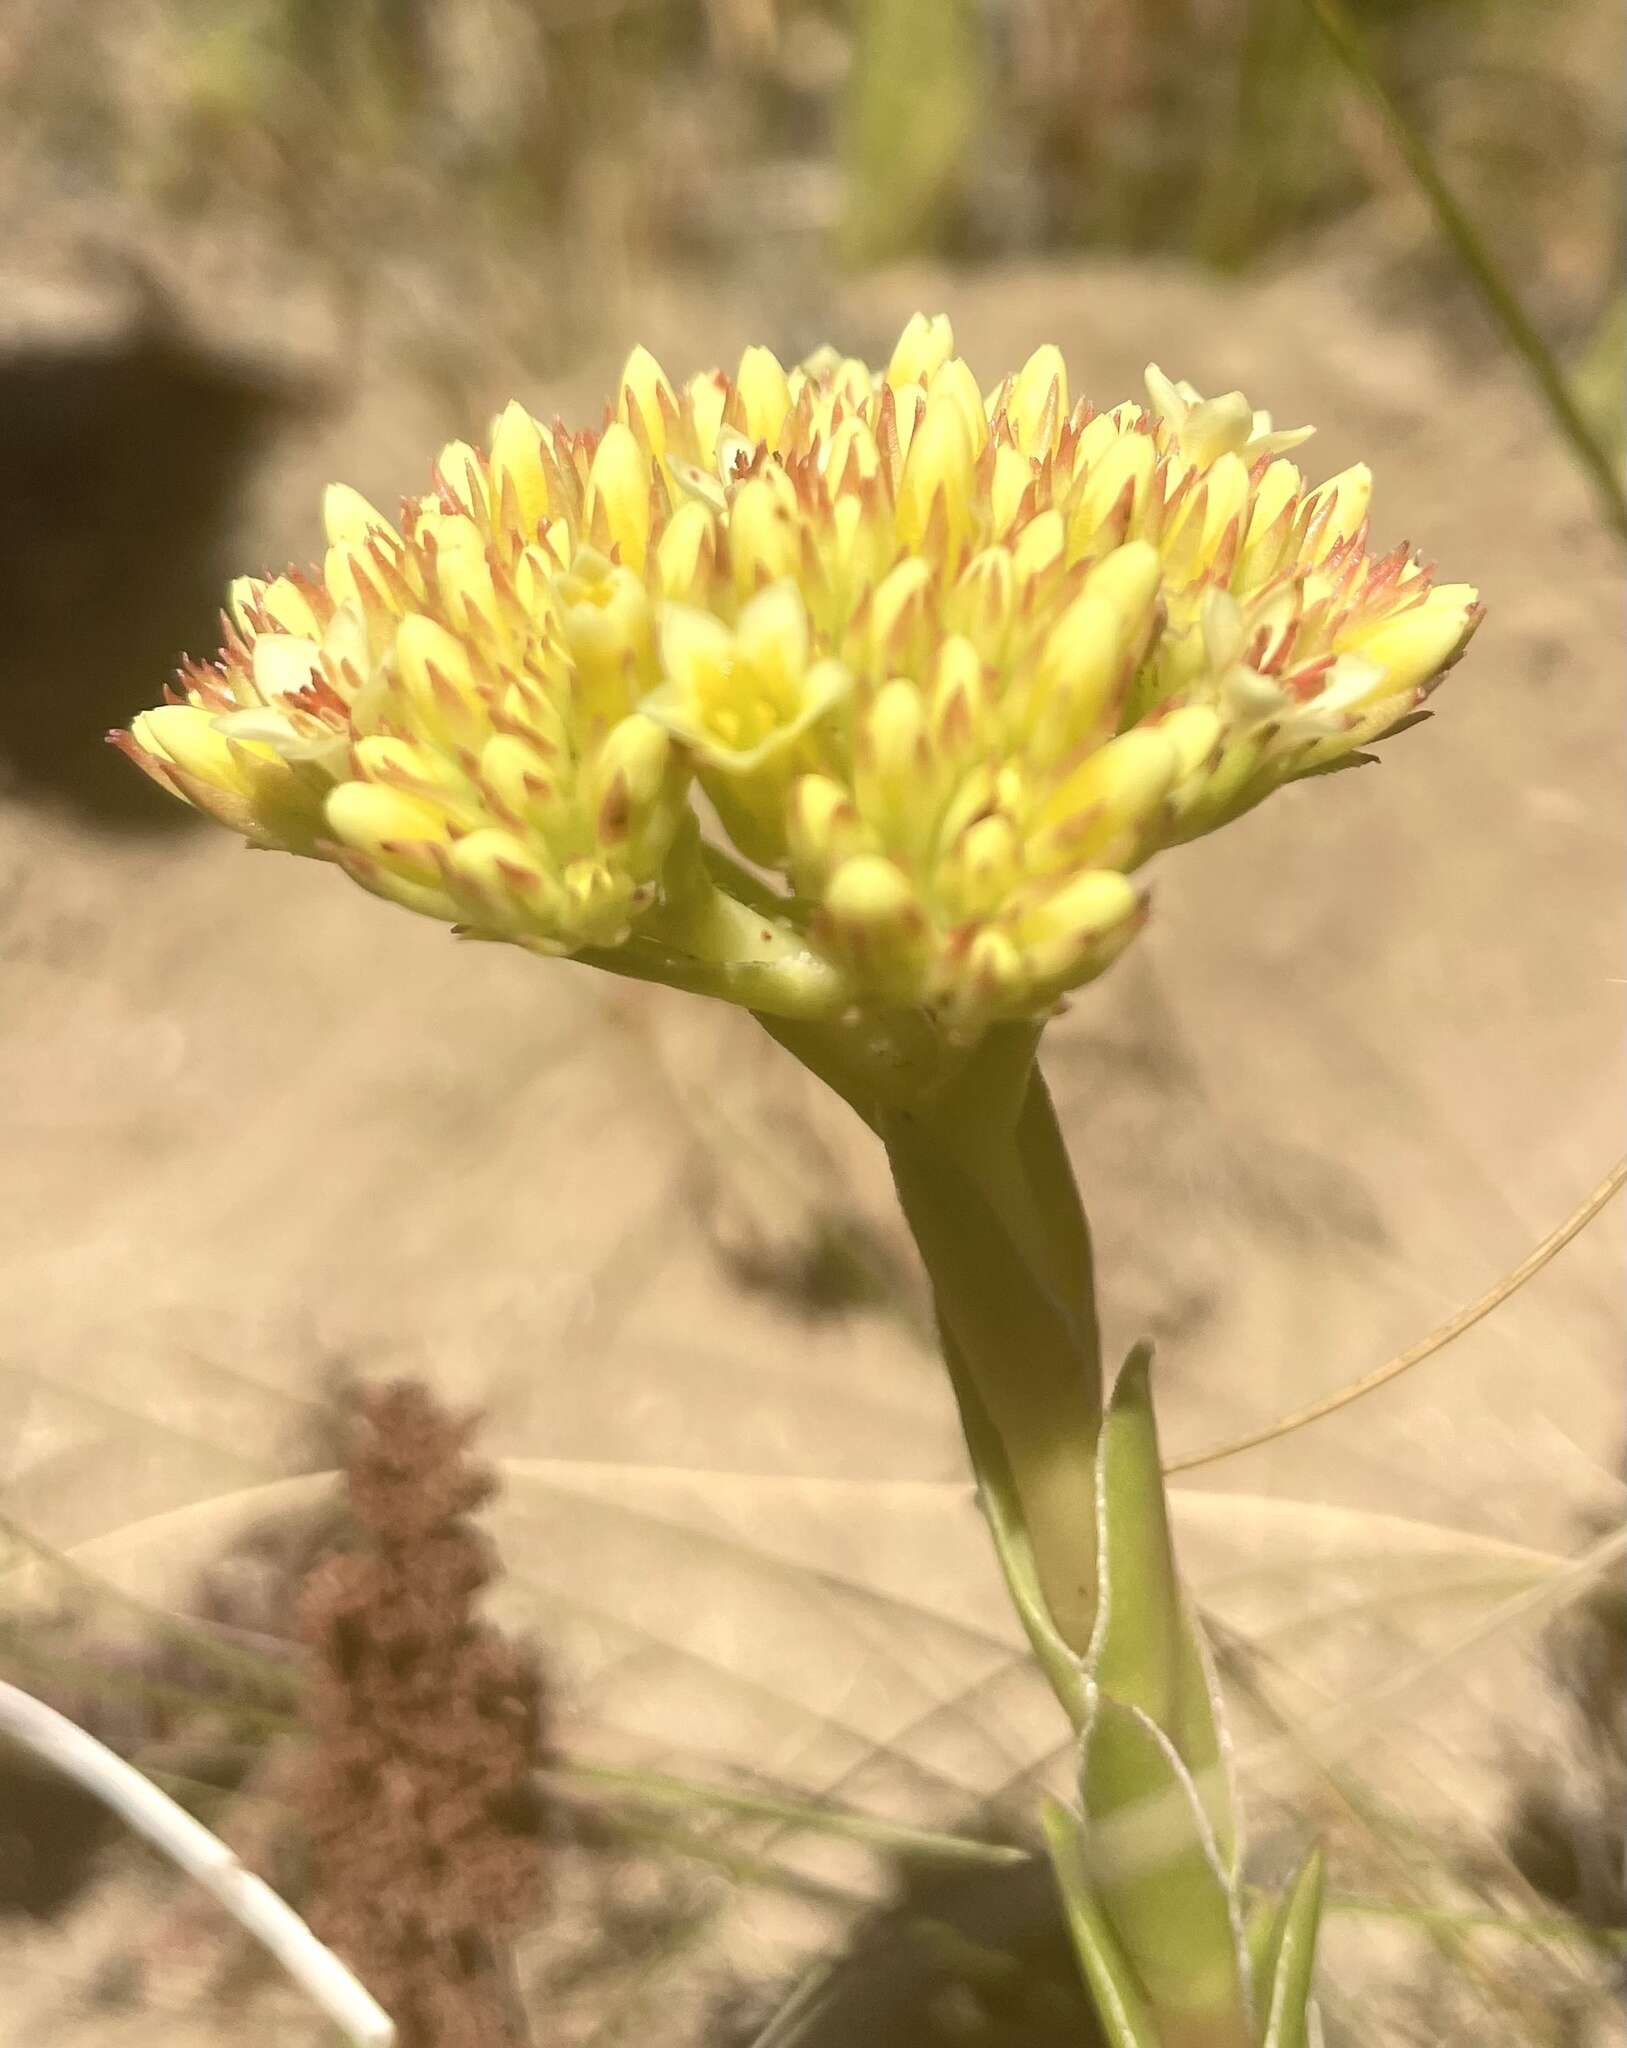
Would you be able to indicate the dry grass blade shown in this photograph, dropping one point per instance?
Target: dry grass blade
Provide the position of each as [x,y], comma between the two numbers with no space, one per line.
[1426,1347]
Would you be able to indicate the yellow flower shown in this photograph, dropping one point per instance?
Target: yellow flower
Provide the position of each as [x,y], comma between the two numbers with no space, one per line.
[740,698]
[949,666]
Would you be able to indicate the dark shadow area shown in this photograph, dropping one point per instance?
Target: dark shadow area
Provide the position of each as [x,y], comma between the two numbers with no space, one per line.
[50,1834]
[982,1960]
[1568,1827]
[126,456]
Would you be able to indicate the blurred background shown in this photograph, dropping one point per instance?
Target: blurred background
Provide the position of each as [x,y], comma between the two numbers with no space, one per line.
[265,1138]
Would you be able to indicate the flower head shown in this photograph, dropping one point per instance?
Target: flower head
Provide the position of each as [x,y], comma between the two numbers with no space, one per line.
[948,665]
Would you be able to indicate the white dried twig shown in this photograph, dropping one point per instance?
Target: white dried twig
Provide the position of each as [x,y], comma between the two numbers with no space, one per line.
[249,1899]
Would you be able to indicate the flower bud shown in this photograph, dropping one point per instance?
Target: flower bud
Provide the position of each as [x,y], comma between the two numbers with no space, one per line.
[824,828]
[982,602]
[1337,509]
[1074,931]
[518,477]
[462,477]
[898,605]
[998,980]
[765,396]
[853,458]
[892,762]
[409,765]
[1039,550]
[634,772]
[501,884]
[869,892]
[186,735]
[433,668]
[616,506]
[1225,507]
[1098,814]
[954,381]
[873,918]
[463,579]
[923,347]
[937,473]
[1270,532]
[1417,644]
[646,403]
[984,867]
[608,629]
[765,534]
[392,826]
[284,605]
[1012,483]
[1079,670]
[1038,402]
[1194,731]
[1128,579]
[347,517]
[706,396]
[1112,494]
[686,553]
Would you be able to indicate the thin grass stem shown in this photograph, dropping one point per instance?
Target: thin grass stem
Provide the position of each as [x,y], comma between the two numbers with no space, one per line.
[1611,1939]
[1426,1347]
[577,1779]
[1498,295]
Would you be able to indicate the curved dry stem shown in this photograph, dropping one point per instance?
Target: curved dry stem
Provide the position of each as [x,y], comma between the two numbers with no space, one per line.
[1426,1347]
[57,1741]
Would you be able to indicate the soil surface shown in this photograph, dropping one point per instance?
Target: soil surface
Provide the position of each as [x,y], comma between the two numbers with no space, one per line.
[263,1131]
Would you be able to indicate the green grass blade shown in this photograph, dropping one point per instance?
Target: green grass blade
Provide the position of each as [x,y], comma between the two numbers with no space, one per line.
[660,1790]
[1121,2003]
[1285,1983]
[1515,1927]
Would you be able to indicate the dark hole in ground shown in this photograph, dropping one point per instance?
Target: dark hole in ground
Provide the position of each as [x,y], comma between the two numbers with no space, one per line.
[125,457]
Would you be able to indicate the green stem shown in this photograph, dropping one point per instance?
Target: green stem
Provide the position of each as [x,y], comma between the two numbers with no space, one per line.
[1060,1211]
[987,1191]
[793,987]
[1013,1545]
[985,1188]
[1075,1507]
[704,938]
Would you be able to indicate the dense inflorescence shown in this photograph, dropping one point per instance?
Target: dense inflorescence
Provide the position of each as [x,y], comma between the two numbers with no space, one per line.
[948,667]
[425,1724]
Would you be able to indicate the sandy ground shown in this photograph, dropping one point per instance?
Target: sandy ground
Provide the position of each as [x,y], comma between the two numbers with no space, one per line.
[261,1129]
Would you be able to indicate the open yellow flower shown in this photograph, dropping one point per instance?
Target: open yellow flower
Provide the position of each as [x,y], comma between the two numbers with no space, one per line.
[950,666]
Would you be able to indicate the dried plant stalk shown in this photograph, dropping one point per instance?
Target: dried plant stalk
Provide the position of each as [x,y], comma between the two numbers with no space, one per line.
[419,1799]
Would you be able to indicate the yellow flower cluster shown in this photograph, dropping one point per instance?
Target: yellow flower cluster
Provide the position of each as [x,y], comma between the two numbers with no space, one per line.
[948,666]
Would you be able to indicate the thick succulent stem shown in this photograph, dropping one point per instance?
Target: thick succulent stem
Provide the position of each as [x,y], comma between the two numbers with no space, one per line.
[986,1189]
[1148,1859]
